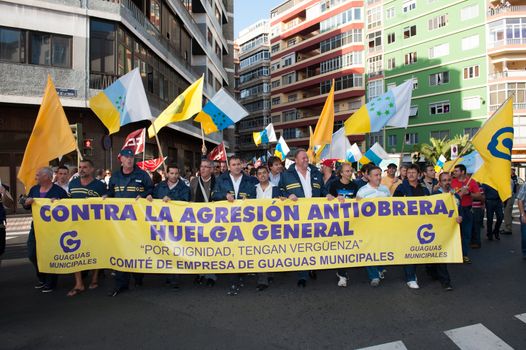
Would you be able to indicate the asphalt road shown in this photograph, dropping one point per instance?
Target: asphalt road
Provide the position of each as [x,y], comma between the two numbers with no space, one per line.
[486,310]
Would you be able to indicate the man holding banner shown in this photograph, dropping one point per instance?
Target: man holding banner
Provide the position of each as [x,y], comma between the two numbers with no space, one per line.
[302,180]
[128,182]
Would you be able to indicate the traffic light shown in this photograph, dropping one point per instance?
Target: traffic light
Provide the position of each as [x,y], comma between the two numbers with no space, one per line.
[88,147]
[76,129]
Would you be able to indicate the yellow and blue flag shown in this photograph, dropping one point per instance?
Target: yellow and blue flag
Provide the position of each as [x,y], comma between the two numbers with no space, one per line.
[265,136]
[282,149]
[375,155]
[122,102]
[391,108]
[220,112]
[184,107]
[494,142]
[440,163]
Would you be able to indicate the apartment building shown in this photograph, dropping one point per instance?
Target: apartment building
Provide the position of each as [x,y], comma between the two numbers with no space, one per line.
[314,42]
[253,86]
[87,45]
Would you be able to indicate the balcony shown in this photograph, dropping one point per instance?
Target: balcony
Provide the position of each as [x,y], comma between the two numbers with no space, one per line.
[506,42]
[513,74]
[499,11]
[517,107]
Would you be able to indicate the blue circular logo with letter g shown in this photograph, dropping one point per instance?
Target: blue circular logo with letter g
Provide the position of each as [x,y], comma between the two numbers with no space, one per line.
[424,235]
[68,244]
[501,143]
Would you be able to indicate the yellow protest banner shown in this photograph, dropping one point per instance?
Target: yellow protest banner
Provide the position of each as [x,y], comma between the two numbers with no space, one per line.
[244,236]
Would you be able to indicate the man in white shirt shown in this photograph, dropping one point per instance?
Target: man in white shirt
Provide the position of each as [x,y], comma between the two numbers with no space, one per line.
[276,168]
[374,189]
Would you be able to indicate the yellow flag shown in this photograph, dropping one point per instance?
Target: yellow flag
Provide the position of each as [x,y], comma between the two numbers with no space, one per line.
[51,137]
[184,107]
[324,128]
[494,142]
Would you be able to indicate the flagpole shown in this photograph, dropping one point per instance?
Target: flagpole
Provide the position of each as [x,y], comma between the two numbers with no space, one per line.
[159,146]
[144,147]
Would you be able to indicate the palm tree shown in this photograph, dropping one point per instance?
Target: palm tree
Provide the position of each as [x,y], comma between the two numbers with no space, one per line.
[437,147]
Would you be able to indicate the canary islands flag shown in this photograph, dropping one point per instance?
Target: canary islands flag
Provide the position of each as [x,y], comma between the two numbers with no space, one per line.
[440,163]
[375,155]
[220,112]
[494,142]
[122,102]
[265,136]
[391,108]
[282,149]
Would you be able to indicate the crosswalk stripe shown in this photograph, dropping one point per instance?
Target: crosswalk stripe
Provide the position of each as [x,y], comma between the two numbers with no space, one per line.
[396,345]
[476,337]
[521,317]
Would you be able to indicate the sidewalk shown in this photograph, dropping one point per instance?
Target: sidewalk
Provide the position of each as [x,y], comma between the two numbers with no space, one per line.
[18,223]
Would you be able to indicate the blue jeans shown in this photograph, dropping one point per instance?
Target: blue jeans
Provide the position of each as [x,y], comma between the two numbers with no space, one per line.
[410,273]
[373,272]
[465,228]
[478,221]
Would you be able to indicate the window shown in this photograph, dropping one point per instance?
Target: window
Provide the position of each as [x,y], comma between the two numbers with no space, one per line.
[375,65]
[353,14]
[410,58]
[440,134]
[438,78]
[374,17]
[12,45]
[253,59]
[411,138]
[439,108]
[155,13]
[391,140]
[275,48]
[352,36]
[49,49]
[288,60]
[376,137]
[375,89]
[341,83]
[338,62]
[375,40]
[276,84]
[413,111]
[290,115]
[390,38]
[469,12]
[276,100]
[415,83]
[390,13]
[260,72]
[253,43]
[291,42]
[438,22]
[292,98]
[471,103]
[470,42]
[471,72]
[470,131]
[409,5]
[439,50]
[289,78]
[391,63]
[409,32]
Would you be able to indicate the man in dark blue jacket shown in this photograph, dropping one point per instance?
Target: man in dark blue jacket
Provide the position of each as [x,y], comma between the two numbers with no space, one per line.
[302,180]
[231,185]
[234,184]
[411,187]
[129,182]
[43,189]
[171,189]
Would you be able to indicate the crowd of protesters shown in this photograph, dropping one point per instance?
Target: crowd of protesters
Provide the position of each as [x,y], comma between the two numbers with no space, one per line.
[218,181]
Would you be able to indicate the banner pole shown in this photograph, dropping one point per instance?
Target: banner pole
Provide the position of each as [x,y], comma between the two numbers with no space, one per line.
[159,146]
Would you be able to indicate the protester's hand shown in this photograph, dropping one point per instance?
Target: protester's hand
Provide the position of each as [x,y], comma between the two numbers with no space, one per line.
[137,198]
[149,198]
[341,199]
[330,197]
[281,198]
[203,150]
[293,197]
[230,197]
[523,218]
[54,199]
[459,219]
[166,199]
[243,196]
[463,191]
[2,190]
[29,201]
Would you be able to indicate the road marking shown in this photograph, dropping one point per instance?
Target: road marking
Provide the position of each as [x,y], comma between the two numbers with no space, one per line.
[396,345]
[476,337]
[521,317]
